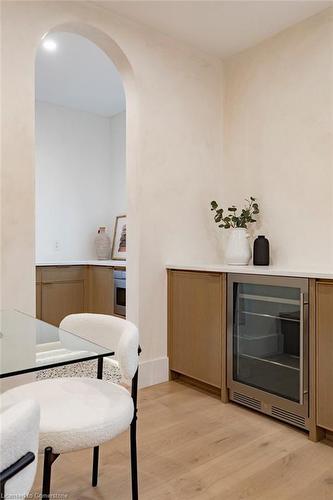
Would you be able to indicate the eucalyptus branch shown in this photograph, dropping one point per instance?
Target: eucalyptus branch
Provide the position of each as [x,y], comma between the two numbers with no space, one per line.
[232,219]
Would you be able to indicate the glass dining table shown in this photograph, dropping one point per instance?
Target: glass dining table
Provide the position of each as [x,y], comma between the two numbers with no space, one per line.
[28,345]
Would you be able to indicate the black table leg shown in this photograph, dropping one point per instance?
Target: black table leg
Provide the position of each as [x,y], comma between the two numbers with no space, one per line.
[96,448]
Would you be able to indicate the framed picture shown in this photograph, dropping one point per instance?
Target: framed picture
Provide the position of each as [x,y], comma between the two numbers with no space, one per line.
[119,239]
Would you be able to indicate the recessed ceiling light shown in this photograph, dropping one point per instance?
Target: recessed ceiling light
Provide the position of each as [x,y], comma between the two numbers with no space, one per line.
[49,45]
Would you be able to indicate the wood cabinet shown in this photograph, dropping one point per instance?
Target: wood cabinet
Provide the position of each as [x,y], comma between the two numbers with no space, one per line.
[101,292]
[61,299]
[324,354]
[38,293]
[196,317]
[61,290]
[197,304]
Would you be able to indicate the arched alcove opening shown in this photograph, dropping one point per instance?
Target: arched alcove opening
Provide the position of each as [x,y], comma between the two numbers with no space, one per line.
[118,61]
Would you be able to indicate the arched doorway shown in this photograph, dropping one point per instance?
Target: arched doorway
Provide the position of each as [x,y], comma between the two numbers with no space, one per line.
[110,51]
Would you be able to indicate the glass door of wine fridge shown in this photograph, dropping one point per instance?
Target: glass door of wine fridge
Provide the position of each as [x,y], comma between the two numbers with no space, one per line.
[268,345]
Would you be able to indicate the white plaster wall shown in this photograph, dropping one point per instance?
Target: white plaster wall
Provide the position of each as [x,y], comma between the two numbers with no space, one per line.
[173,155]
[80,180]
[117,144]
[278,125]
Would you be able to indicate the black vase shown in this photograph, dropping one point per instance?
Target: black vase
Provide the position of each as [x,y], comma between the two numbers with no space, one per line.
[261,251]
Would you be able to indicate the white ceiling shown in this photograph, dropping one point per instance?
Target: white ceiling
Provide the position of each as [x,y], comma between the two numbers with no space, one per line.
[218,27]
[78,75]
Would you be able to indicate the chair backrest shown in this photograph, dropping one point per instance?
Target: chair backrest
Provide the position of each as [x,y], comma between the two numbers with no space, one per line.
[19,434]
[116,334]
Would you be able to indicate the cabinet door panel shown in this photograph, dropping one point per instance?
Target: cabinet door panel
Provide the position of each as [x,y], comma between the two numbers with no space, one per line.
[325,355]
[101,290]
[38,301]
[195,325]
[38,293]
[61,299]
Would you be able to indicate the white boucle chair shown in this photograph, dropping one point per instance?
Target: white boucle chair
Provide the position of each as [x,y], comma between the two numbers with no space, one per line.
[19,430]
[78,413]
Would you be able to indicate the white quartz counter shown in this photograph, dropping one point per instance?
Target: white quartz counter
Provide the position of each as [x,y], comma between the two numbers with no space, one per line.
[308,272]
[107,263]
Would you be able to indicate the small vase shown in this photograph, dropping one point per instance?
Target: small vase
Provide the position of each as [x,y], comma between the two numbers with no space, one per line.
[238,251]
[103,244]
[261,251]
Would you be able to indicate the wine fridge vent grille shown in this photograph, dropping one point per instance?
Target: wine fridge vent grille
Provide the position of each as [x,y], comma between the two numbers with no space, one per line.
[288,416]
[246,400]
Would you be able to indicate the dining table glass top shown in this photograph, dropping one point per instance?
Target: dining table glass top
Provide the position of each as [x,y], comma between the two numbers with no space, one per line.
[28,344]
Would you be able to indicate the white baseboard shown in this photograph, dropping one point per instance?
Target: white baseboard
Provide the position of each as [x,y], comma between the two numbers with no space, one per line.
[153,371]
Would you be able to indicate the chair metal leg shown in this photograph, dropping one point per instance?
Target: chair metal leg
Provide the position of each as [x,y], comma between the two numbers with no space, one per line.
[95,466]
[49,458]
[134,460]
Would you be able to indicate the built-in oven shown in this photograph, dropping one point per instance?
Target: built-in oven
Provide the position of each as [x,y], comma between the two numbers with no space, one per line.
[267,345]
[119,280]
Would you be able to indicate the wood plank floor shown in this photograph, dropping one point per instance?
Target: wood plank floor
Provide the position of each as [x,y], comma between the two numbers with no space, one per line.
[193,447]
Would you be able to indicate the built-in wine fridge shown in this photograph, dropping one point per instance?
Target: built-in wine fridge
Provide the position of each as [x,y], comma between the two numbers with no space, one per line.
[268,345]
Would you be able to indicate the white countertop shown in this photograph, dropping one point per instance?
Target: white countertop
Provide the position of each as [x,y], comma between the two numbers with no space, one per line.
[107,263]
[308,272]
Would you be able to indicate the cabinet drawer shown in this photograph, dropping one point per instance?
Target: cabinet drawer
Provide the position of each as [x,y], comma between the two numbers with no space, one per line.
[62,274]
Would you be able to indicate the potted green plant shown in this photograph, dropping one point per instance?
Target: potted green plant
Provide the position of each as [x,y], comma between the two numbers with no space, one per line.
[238,251]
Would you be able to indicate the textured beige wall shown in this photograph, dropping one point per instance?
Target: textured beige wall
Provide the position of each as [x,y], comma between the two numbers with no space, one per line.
[278,125]
[173,154]
[277,132]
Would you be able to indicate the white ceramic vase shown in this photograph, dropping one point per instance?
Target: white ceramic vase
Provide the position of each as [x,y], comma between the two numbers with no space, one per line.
[103,244]
[238,251]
